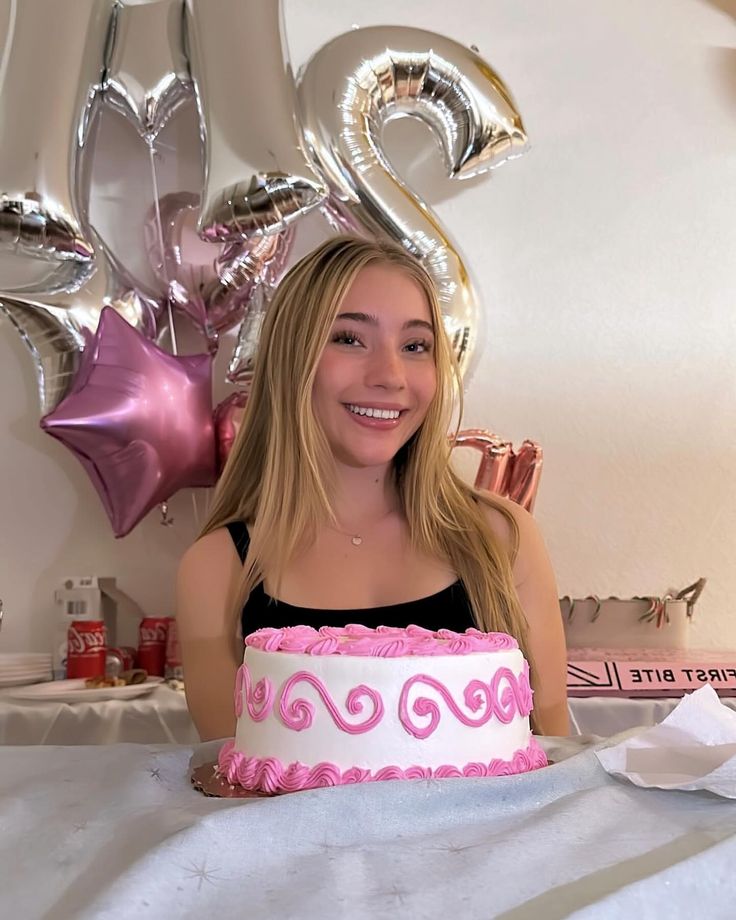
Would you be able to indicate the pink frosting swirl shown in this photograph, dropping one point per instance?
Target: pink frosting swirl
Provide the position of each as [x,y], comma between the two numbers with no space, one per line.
[504,697]
[267,640]
[239,680]
[474,769]
[299,714]
[418,772]
[356,775]
[426,647]
[383,642]
[419,632]
[258,699]
[324,645]
[269,774]
[335,631]
[379,646]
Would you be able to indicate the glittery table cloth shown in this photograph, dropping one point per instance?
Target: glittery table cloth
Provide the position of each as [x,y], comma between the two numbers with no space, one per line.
[159,718]
[118,831]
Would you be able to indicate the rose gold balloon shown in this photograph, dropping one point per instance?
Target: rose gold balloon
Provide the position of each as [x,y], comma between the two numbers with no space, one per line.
[508,472]
[526,471]
[228,416]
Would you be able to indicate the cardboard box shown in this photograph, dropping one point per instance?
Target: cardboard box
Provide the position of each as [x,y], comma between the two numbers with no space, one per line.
[610,674]
[88,597]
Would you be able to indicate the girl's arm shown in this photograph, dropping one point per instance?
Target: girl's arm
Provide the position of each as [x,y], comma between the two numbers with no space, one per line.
[208,576]
[537,591]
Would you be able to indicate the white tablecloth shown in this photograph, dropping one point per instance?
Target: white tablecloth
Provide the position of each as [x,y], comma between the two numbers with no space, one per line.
[162,718]
[118,832]
[159,718]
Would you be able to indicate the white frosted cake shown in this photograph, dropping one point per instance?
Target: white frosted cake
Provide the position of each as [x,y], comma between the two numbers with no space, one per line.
[349,705]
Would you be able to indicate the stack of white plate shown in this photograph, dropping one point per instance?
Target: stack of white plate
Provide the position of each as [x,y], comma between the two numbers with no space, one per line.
[19,668]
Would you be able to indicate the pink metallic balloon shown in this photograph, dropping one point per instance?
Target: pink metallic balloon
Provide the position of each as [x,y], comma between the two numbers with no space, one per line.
[502,469]
[138,419]
[210,283]
[228,416]
[526,471]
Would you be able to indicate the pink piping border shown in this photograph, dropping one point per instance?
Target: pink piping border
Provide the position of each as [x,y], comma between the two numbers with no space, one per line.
[383,642]
[270,776]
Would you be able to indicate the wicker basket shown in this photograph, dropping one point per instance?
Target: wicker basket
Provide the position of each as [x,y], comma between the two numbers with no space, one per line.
[637,622]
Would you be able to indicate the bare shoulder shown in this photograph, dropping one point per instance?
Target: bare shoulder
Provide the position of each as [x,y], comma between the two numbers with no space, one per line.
[499,522]
[531,550]
[208,572]
[213,551]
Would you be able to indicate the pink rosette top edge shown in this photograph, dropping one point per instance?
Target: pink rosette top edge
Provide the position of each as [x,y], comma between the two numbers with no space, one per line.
[383,642]
[269,775]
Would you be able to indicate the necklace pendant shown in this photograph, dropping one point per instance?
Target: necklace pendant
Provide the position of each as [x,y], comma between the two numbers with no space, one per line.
[356,540]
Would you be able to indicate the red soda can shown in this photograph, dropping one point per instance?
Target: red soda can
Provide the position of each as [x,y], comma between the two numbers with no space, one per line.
[152,644]
[85,649]
[173,653]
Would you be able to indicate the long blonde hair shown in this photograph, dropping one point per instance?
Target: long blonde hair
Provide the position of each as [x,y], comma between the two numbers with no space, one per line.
[276,475]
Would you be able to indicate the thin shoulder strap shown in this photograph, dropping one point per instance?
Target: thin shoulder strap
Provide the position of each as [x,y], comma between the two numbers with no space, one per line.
[241,537]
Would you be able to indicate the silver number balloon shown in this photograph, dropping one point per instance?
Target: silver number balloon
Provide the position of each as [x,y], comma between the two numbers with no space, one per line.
[55,275]
[146,72]
[258,178]
[55,329]
[53,56]
[55,342]
[359,81]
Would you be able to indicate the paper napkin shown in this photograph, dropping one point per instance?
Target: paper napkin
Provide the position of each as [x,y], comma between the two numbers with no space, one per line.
[693,748]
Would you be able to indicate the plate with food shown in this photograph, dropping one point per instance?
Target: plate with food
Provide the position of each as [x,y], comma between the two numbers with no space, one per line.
[128,686]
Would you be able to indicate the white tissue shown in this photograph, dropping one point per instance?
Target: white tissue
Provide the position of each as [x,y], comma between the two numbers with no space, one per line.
[693,748]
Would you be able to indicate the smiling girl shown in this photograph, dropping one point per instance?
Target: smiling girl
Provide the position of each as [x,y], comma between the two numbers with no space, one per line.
[338,503]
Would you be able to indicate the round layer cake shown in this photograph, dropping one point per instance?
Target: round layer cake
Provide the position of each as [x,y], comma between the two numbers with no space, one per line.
[353,705]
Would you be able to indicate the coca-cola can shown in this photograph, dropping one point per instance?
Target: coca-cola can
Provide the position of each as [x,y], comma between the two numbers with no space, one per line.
[85,649]
[173,653]
[152,635]
[119,659]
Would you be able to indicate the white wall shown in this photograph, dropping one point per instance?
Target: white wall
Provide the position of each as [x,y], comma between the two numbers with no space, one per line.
[605,263]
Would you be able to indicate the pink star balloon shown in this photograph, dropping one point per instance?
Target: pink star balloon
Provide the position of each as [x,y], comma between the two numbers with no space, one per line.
[138,419]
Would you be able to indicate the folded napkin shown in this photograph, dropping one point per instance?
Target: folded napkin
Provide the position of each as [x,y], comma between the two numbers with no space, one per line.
[693,748]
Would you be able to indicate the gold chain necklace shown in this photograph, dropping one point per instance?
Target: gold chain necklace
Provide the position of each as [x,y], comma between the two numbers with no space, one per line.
[355,538]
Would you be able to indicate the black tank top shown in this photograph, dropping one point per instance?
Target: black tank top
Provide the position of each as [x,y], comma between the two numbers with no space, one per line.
[447,609]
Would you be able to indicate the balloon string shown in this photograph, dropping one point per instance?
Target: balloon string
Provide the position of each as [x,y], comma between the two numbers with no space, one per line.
[160,232]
